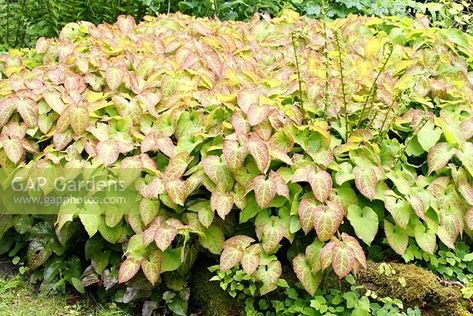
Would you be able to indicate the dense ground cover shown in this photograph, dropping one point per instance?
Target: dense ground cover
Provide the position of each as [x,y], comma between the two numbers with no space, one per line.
[279,151]
[22,22]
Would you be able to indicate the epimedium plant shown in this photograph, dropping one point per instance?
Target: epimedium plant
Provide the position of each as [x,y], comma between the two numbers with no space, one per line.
[273,141]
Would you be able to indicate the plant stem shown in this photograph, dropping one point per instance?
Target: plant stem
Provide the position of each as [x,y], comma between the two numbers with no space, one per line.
[327,74]
[298,72]
[342,79]
[374,85]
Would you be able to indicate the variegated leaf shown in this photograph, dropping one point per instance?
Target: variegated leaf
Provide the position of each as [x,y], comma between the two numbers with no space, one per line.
[7,108]
[251,259]
[238,241]
[148,210]
[79,118]
[28,110]
[165,234]
[234,154]
[466,191]
[469,218]
[366,181]
[326,222]
[358,252]
[151,266]
[217,171]
[342,260]
[272,236]
[260,152]
[13,149]
[108,152]
[306,214]
[321,184]
[264,191]
[128,269]
[304,274]
[397,237]
[222,203]
[439,156]
[177,166]
[229,258]
[177,191]
[114,77]
[326,254]
[279,184]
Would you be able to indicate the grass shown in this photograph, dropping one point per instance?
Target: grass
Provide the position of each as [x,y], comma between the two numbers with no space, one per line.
[18,298]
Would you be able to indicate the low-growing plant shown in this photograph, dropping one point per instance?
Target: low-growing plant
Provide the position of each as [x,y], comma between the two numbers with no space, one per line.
[239,155]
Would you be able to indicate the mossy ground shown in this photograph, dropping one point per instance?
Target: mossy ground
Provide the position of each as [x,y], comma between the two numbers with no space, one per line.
[19,298]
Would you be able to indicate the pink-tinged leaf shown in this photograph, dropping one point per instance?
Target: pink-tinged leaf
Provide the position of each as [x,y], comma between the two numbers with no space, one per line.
[466,128]
[326,222]
[321,184]
[251,259]
[177,191]
[451,224]
[128,269]
[229,258]
[272,236]
[466,191]
[7,108]
[240,124]
[269,275]
[397,237]
[439,156]
[234,154]
[304,274]
[54,100]
[264,130]
[79,118]
[222,203]
[13,149]
[302,174]
[134,220]
[194,181]
[246,99]
[306,214]
[469,218]
[217,171]
[257,114]
[165,145]
[177,166]
[239,242]
[326,254]
[366,181]
[417,205]
[126,23]
[61,140]
[342,260]
[260,152]
[28,110]
[150,233]
[154,188]
[214,63]
[264,191]
[114,77]
[148,210]
[63,122]
[353,243]
[107,152]
[151,266]
[165,234]
[279,184]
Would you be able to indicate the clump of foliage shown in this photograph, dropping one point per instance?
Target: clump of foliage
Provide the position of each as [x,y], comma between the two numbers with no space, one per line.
[275,142]
[23,21]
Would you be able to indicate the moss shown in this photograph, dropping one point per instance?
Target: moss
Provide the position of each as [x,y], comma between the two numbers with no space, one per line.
[421,288]
[207,295]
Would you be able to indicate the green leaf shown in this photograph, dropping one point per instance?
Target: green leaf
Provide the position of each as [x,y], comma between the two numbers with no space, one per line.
[428,136]
[439,156]
[397,237]
[213,239]
[364,221]
[303,271]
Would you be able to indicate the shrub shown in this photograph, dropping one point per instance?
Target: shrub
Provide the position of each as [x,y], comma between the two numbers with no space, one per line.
[264,143]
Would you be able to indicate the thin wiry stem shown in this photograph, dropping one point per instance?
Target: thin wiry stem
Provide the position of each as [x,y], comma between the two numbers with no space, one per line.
[327,74]
[373,88]
[404,148]
[298,72]
[342,80]
[391,106]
